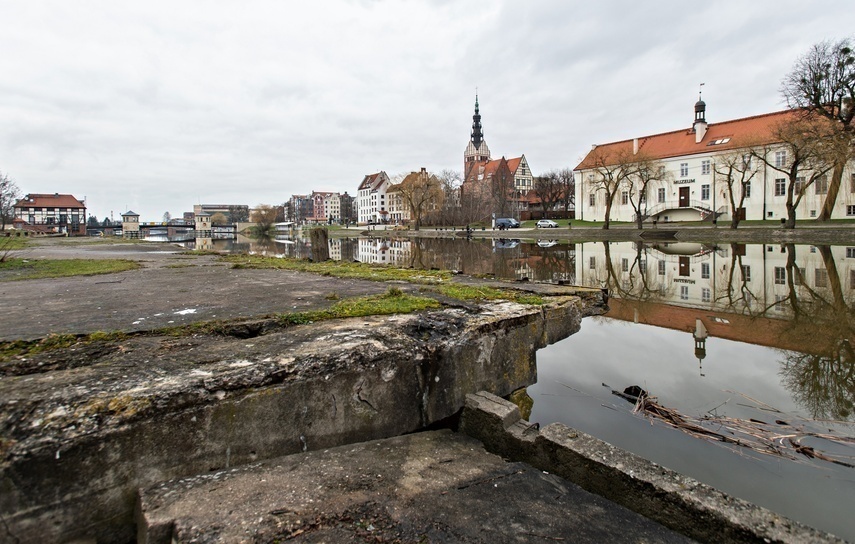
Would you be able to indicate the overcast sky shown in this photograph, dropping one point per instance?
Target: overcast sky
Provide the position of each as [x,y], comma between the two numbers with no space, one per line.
[155,106]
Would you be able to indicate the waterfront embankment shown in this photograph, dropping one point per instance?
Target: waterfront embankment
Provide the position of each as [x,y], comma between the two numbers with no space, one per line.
[86,424]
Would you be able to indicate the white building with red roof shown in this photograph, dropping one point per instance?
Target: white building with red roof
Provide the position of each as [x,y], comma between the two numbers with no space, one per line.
[371,200]
[692,187]
[52,213]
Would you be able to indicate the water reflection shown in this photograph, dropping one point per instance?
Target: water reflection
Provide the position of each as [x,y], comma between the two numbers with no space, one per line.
[789,297]
[796,298]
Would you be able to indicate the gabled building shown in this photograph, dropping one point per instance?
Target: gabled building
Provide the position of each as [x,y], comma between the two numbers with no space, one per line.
[301,208]
[502,184]
[52,213]
[371,202]
[692,188]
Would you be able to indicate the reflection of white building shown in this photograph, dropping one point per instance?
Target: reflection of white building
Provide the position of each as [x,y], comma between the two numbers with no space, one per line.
[731,277]
[380,251]
[335,249]
[693,186]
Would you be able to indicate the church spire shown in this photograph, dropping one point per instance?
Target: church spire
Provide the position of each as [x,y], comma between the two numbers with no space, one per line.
[477,150]
[477,134]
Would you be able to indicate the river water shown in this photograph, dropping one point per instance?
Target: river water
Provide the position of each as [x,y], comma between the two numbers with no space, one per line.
[729,336]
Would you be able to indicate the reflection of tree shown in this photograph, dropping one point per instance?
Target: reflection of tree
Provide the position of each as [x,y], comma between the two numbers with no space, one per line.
[822,377]
[823,384]
[633,285]
[737,295]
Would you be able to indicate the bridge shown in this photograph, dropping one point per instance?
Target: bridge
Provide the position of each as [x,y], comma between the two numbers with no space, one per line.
[151,229]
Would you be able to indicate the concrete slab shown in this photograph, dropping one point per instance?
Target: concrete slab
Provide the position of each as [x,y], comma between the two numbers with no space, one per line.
[435,486]
[172,290]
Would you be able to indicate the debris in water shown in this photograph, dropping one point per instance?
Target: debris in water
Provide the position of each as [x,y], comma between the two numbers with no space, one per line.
[779,438]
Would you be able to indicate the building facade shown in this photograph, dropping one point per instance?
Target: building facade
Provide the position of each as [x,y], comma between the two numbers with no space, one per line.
[693,182]
[371,202]
[233,213]
[51,213]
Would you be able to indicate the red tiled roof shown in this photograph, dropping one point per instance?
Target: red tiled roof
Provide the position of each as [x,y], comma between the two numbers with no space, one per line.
[369,181]
[756,130]
[514,163]
[55,200]
[761,331]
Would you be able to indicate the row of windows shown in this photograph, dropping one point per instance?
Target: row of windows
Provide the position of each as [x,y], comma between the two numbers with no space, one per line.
[820,185]
[706,168]
[820,274]
[37,210]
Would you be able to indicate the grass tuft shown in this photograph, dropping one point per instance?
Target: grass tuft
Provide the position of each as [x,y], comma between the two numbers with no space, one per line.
[27,269]
[394,301]
[339,269]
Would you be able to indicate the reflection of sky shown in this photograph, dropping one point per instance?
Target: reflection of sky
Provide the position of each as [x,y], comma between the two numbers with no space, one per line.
[662,361]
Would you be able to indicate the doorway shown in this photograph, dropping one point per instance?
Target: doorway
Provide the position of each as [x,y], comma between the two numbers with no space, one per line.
[684,197]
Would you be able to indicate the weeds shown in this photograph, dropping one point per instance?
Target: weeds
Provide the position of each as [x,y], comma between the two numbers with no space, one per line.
[339,269]
[25,269]
[394,301]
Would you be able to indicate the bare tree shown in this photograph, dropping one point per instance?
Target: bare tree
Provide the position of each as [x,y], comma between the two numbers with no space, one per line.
[567,181]
[549,190]
[219,218]
[822,83]
[809,148]
[736,170]
[422,193]
[450,181]
[167,217]
[264,216]
[640,174]
[608,177]
[238,214]
[9,195]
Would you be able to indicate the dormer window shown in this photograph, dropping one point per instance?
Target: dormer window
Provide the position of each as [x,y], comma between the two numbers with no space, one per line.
[720,141]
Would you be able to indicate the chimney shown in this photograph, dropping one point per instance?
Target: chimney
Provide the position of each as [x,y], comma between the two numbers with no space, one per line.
[635,146]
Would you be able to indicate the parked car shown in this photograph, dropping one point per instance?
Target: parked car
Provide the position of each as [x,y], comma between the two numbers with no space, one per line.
[547,224]
[504,223]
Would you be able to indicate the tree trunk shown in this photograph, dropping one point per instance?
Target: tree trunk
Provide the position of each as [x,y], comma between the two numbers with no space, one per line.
[833,189]
[790,223]
[608,215]
[734,221]
[833,277]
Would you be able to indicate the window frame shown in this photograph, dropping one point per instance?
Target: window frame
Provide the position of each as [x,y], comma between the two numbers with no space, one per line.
[780,186]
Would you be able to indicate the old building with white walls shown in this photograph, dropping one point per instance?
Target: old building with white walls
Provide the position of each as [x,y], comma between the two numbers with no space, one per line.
[692,187]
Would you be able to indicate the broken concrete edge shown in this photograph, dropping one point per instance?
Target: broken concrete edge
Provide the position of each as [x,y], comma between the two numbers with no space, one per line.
[672,499]
[251,327]
[77,444]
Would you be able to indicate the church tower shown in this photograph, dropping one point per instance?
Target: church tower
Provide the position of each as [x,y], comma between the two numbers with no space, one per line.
[477,150]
